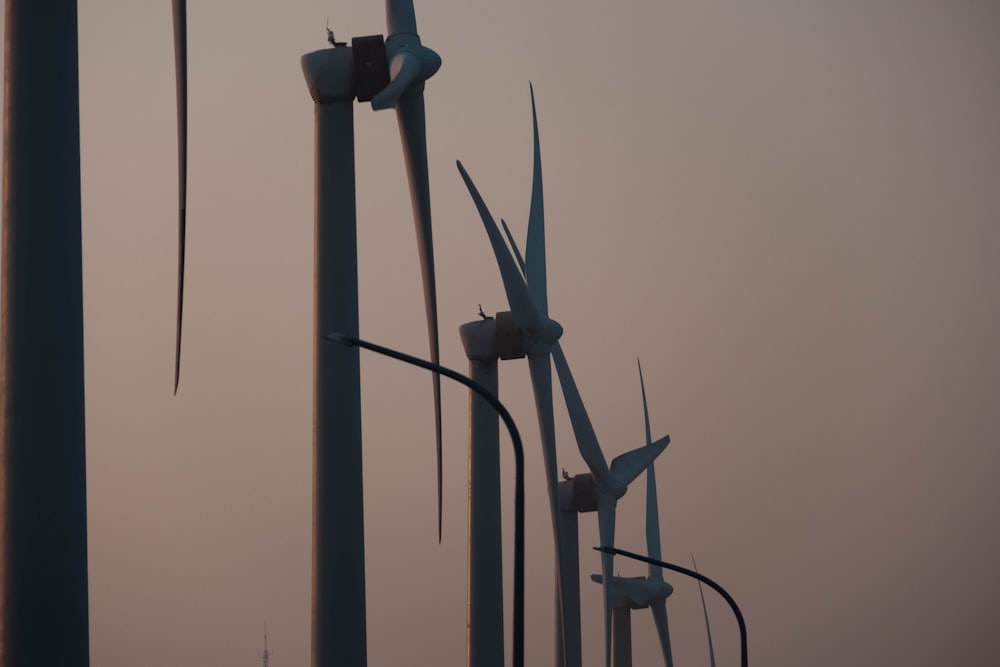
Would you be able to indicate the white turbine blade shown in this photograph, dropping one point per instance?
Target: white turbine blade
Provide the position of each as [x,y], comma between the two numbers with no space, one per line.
[525,313]
[659,610]
[540,369]
[534,251]
[513,247]
[652,505]
[586,439]
[399,17]
[180,65]
[606,528]
[404,71]
[630,465]
[653,523]
[645,408]
[704,609]
[412,130]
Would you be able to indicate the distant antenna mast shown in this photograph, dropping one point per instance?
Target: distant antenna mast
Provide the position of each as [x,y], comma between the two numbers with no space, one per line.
[266,655]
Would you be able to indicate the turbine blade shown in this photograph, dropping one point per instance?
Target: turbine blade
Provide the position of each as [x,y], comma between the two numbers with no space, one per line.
[522,306]
[704,609]
[586,439]
[653,523]
[645,408]
[626,467]
[180,66]
[534,251]
[606,527]
[659,610]
[652,505]
[412,129]
[540,369]
[399,17]
[513,247]
[404,71]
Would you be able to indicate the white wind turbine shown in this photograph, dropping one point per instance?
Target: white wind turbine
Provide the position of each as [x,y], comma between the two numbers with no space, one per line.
[651,591]
[527,297]
[610,482]
[537,333]
[391,74]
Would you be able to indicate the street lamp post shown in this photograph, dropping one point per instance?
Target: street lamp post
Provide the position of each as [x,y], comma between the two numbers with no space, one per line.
[515,436]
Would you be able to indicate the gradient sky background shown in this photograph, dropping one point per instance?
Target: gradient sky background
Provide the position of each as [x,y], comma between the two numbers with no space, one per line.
[789,210]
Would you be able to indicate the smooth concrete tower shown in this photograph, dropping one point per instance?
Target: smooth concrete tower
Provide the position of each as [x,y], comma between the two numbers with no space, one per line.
[338,605]
[485,341]
[43,620]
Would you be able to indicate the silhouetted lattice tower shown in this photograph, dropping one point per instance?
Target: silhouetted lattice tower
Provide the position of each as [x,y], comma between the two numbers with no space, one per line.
[265,657]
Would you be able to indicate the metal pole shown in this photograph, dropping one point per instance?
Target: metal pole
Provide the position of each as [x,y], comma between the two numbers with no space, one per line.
[338,613]
[44,497]
[515,436]
[700,577]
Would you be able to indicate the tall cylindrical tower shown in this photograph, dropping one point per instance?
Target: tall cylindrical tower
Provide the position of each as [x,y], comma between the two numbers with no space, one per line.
[44,490]
[338,605]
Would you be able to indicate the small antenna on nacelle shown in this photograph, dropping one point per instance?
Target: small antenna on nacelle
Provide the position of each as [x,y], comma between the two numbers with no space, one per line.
[329,36]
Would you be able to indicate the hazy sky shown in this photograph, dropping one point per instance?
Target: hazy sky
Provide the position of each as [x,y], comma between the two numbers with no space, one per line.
[789,210]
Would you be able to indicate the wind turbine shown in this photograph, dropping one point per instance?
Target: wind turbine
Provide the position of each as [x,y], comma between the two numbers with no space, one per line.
[44,517]
[610,482]
[537,334]
[650,591]
[390,73]
[528,300]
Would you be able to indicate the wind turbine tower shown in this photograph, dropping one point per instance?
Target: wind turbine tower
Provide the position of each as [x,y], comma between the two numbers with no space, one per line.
[485,341]
[390,73]
[44,518]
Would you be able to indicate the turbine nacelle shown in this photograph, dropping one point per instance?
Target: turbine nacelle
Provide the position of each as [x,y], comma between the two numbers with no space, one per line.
[634,592]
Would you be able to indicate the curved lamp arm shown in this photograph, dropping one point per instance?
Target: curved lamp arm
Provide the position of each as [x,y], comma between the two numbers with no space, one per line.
[700,577]
[515,436]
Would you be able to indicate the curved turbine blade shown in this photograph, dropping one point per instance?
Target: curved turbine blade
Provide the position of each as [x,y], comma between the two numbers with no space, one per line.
[626,467]
[540,369]
[659,610]
[513,247]
[586,439]
[412,130]
[708,627]
[645,408]
[180,66]
[652,505]
[399,17]
[606,528]
[522,306]
[404,70]
[534,251]
[653,523]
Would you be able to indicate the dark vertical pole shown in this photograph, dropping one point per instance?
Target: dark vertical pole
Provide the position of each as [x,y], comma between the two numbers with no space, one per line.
[44,477]
[338,623]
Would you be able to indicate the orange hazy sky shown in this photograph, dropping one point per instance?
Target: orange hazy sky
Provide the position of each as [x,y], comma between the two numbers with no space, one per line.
[789,211]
